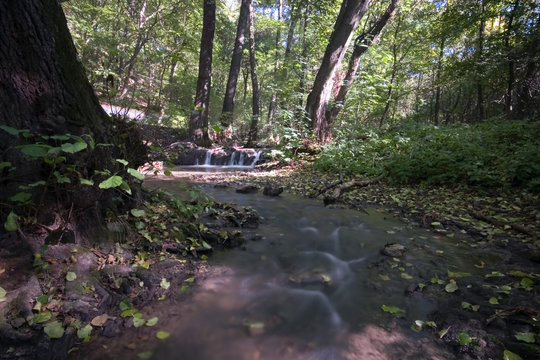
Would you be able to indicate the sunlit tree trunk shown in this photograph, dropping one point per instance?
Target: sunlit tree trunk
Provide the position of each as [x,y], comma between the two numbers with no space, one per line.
[273,100]
[480,110]
[361,46]
[236,62]
[438,73]
[198,123]
[349,16]
[252,136]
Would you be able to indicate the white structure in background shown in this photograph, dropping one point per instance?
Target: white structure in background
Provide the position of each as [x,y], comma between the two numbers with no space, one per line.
[117,110]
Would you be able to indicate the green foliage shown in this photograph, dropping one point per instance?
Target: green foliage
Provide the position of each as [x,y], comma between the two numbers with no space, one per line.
[489,154]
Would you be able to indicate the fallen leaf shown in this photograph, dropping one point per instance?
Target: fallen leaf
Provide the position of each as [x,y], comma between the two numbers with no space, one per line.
[100,320]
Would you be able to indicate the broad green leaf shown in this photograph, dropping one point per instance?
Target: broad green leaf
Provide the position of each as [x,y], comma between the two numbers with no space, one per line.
[138,321]
[70,276]
[451,287]
[124,186]
[452,274]
[443,332]
[526,337]
[35,151]
[43,299]
[493,301]
[85,332]
[145,355]
[61,179]
[153,321]
[122,161]
[4,164]
[75,147]
[137,212]
[526,282]
[125,304]
[508,355]
[21,197]
[165,284]
[393,310]
[135,174]
[464,339]
[54,330]
[206,245]
[11,222]
[162,335]
[86,182]
[3,294]
[190,280]
[37,183]
[10,130]
[129,312]
[42,317]
[112,182]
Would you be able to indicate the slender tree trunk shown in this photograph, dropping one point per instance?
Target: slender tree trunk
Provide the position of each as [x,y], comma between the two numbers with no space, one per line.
[511,62]
[273,100]
[480,66]
[361,46]
[198,124]
[304,61]
[236,62]
[349,16]
[252,136]
[436,111]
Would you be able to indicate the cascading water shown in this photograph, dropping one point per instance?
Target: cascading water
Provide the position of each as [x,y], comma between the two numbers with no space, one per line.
[220,159]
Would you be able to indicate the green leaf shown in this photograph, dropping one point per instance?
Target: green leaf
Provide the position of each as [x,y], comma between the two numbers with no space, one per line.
[112,182]
[10,130]
[5,164]
[21,197]
[135,174]
[86,182]
[61,179]
[145,355]
[85,332]
[153,321]
[526,337]
[122,161]
[162,335]
[54,330]
[75,147]
[165,284]
[508,355]
[43,299]
[494,274]
[70,276]
[11,222]
[137,212]
[138,321]
[35,151]
[393,310]
[125,305]
[190,280]
[451,287]
[493,301]
[42,317]
[526,282]
[452,274]
[3,294]
[129,312]
[124,186]
[464,339]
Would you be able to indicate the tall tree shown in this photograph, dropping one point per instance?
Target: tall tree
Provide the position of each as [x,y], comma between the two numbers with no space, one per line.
[236,62]
[198,124]
[350,13]
[44,90]
[256,102]
[361,46]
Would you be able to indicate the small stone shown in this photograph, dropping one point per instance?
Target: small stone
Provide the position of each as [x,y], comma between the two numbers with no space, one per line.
[393,250]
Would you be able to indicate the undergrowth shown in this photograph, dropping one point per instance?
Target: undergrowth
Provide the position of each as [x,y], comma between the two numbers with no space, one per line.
[492,154]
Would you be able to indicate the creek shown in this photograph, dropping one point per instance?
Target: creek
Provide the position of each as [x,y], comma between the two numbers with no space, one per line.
[310,283]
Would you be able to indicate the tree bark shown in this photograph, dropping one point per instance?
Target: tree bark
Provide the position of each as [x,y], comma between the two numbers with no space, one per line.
[438,74]
[361,46]
[44,89]
[236,62]
[252,136]
[198,123]
[273,100]
[480,110]
[349,16]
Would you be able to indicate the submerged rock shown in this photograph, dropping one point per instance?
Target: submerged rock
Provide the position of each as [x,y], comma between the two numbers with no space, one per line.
[248,189]
[393,250]
[272,190]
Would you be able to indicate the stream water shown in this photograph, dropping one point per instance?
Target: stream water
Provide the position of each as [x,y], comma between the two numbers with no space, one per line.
[311,287]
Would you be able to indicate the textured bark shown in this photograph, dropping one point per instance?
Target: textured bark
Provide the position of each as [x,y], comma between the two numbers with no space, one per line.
[361,46]
[236,62]
[252,136]
[198,124]
[272,105]
[42,85]
[349,16]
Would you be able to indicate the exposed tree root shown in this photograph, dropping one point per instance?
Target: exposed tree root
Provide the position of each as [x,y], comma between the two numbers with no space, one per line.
[347,186]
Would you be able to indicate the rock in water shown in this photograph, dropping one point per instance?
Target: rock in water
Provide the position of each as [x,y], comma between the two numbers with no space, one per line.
[248,189]
[272,190]
[393,250]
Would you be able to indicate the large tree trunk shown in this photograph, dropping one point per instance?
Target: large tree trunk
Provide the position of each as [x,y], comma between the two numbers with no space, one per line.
[349,16]
[252,136]
[361,46]
[43,89]
[198,123]
[236,62]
